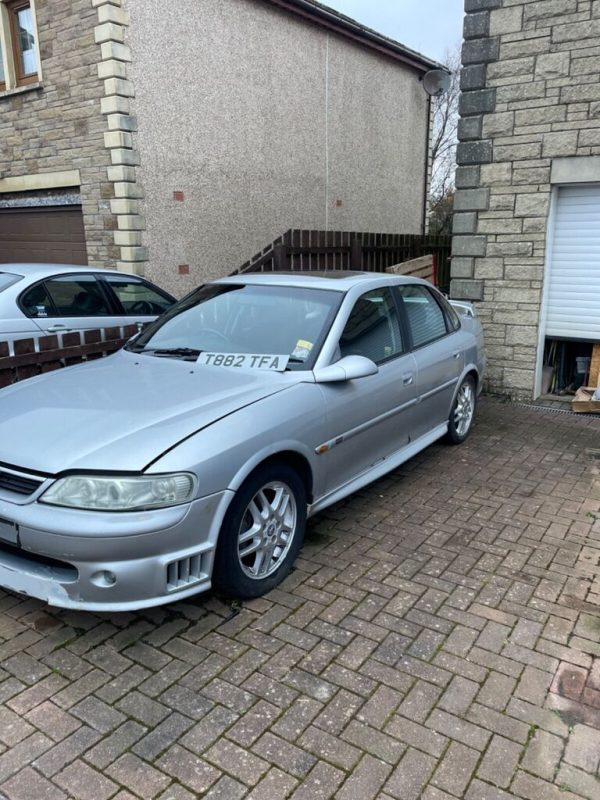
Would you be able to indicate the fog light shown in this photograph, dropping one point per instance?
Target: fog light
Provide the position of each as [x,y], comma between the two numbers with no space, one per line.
[104,579]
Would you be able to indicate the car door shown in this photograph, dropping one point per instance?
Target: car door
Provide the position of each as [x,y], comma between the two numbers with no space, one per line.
[368,418]
[140,300]
[438,352]
[70,302]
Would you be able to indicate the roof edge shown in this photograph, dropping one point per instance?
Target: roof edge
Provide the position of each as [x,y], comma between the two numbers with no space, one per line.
[351,29]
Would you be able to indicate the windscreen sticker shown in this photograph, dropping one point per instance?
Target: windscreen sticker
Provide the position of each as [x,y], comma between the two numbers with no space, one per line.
[302,349]
[277,363]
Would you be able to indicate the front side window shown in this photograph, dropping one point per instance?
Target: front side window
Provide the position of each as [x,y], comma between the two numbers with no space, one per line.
[244,318]
[18,44]
[373,329]
[138,297]
[425,317]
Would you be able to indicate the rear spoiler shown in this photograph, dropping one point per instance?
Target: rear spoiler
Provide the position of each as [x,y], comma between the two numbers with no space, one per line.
[463,308]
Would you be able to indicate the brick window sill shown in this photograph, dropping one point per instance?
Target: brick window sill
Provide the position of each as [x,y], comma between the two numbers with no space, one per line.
[29,87]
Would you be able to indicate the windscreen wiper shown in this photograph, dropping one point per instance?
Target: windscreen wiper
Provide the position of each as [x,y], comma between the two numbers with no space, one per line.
[187,353]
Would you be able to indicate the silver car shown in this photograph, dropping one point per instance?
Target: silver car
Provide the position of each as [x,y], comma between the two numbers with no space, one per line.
[194,456]
[43,299]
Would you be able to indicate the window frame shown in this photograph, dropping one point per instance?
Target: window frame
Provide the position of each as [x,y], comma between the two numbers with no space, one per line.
[404,342]
[433,294]
[14,78]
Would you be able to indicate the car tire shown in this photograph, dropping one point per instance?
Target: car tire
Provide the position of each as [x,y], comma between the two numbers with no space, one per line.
[462,414]
[262,532]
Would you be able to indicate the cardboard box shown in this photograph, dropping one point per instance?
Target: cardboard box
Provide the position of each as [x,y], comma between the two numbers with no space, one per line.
[583,403]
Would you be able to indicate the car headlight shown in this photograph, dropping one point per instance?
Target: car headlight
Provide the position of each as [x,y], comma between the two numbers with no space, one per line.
[100,493]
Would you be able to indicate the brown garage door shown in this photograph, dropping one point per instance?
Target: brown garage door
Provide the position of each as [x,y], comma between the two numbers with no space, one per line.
[54,235]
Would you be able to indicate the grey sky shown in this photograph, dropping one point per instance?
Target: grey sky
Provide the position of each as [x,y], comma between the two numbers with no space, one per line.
[429,26]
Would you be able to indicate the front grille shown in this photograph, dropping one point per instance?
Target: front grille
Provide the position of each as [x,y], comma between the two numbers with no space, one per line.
[184,572]
[44,567]
[17,483]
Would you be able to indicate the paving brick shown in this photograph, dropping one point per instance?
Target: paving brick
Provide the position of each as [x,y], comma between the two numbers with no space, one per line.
[583,748]
[373,741]
[406,731]
[455,769]
[410,776]
[192,771]
[366,780]
[459,695]
[496,691]
[321,783]
[500,762]
[323,745]
[84,783]
[543,755]
[276,785]
[135,774]
[281,753]
[29,785]
[237,761]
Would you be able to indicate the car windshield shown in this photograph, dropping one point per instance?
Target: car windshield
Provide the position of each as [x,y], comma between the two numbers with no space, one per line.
[244,318]
[7,279]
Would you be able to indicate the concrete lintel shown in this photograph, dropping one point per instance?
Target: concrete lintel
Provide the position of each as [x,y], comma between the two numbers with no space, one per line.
[41,180]
[576,169]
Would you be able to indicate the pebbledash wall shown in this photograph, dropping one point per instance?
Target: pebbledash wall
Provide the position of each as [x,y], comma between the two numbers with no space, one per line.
[262,119]
[530,122]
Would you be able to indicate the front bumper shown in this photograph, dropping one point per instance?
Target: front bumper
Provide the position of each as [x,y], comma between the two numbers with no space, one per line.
[99,561]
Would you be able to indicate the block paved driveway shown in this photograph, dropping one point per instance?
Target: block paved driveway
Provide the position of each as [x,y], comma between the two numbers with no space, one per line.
[439,639]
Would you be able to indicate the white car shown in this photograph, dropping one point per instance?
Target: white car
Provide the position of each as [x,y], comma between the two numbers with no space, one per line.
[43,299]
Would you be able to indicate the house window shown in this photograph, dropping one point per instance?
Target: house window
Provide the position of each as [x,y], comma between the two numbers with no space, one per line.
[2,76]
[18,44]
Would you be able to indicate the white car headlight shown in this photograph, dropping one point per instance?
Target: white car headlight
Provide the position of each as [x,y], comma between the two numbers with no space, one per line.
[100,493]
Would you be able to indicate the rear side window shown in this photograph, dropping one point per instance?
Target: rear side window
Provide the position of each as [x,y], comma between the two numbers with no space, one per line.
[425,317]
[138,297]
[69,296]
[451,315]
[36,302]
[8,279]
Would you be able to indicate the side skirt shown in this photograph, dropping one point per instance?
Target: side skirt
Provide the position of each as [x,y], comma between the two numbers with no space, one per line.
[379,469]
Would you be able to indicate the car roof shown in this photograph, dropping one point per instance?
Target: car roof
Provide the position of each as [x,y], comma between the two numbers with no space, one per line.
[37,271]
[334,280]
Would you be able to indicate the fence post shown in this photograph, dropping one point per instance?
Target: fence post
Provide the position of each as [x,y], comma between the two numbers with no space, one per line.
[280,254]
[355,253]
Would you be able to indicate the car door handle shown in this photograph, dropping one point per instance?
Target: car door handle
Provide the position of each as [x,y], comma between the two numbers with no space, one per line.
[456,354]
[57,328]
[408,378]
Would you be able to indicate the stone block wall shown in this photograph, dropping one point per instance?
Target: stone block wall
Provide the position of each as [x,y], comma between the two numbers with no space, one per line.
[530,96]
[56,125]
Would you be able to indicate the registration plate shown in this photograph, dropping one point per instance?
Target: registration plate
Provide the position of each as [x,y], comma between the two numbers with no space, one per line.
[277,363]
[8,531]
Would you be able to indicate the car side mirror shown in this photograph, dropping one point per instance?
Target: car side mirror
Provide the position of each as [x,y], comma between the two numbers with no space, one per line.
[346,369]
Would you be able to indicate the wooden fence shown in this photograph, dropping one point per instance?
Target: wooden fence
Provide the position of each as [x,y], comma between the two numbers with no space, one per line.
[44,354]
[343,250]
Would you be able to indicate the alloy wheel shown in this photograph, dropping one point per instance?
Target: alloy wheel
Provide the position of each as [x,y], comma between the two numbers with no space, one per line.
[465,408]
[267,530]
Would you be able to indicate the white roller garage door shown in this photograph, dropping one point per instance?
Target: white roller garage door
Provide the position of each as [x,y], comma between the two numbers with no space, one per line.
[573,292]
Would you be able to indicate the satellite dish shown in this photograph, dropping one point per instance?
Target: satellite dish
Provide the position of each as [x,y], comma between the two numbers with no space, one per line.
[436,82]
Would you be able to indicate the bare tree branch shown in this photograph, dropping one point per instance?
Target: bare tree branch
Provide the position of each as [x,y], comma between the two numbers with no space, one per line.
[444,140]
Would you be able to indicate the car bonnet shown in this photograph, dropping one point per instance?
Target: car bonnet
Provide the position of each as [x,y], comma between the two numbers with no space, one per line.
[121,413]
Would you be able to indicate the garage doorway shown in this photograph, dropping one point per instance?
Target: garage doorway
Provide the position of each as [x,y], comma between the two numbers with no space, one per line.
[570,318]
[52,234]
